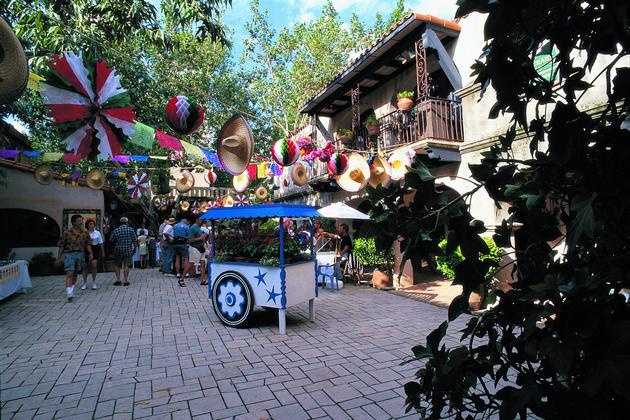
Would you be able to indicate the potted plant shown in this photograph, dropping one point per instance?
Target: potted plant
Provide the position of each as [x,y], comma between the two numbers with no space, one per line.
[344,135]
[380,262]
[372,124]
[446,266]
[405,100]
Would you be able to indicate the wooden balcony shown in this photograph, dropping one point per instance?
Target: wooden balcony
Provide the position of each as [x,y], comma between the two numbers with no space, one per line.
[434,120]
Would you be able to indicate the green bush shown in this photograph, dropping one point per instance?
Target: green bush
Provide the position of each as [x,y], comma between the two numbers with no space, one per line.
[366,252]
[446,263]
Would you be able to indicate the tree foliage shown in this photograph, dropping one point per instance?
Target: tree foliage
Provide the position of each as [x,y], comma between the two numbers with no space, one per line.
[289,66]
[557,345]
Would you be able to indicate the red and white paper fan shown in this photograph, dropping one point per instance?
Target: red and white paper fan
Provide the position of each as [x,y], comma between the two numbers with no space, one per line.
[241,200]
[95,108]
[137,185]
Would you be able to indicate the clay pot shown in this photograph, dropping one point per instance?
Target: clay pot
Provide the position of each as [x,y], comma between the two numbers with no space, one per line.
[373,129]
[381,280]
[405,104]
[345,139]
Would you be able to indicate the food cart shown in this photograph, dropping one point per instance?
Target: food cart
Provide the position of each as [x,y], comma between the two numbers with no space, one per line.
[237,287]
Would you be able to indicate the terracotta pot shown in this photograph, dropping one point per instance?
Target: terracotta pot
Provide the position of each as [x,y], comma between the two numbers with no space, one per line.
[373,129]
[345,139]
[405,104]
[381,280]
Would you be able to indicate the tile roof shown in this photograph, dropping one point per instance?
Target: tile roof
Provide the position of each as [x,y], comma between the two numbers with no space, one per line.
[416,17]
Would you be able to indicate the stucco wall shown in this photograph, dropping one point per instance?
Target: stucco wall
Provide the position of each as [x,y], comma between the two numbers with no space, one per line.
[23,192]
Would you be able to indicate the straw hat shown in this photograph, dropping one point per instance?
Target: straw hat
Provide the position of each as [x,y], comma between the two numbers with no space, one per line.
[235,145]
[262,193]
[184,206]
[95,179]
[298,175]
[241,182]
[356,176]
[399,160]
[185,182]
[204,206]
[13,65]
[380,172]
[228,201]
[44,174]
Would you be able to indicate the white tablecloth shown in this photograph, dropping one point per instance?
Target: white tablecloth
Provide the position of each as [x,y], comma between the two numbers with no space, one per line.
[14,277]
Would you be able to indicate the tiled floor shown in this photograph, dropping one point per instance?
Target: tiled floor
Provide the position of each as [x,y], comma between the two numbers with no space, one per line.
[154,349]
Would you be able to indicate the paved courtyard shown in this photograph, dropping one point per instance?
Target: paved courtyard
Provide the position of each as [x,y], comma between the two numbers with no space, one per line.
[154,350]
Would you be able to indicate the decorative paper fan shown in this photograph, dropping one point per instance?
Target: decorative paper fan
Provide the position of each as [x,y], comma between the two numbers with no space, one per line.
[241,200]
[137,185]
[195,208]
[94,107]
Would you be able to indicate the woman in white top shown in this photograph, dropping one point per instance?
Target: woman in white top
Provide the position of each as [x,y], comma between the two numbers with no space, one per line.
[98,250]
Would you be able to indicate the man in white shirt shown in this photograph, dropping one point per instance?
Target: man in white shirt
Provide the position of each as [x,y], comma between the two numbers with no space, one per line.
[166,240]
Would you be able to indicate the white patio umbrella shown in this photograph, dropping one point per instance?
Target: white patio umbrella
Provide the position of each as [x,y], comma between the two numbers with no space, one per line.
[342,211]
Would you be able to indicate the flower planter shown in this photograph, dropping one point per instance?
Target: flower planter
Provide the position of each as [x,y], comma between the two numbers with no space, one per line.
[373,129]
[345,139]
[381,280]
[405,104]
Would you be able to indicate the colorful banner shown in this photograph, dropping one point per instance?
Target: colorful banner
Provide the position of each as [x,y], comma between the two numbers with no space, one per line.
[169,142]
[143,136]
[193,151]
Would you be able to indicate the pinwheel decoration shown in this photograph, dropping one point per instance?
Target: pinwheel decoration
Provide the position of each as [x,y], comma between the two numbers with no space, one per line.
[195,208]
[137,185]
[241,200]
[89,104]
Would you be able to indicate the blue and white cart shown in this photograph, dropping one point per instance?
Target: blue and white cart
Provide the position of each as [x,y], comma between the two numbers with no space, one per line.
[236,287]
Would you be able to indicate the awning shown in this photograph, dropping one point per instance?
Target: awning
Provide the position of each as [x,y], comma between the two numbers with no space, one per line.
[342,211]
[260,210]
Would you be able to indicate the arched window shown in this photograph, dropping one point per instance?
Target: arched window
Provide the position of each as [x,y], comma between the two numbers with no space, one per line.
[22,228]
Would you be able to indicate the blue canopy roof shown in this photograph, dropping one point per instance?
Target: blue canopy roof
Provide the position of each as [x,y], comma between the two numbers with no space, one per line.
[261,210]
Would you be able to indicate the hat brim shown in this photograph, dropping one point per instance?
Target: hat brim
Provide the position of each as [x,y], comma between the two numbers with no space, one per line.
[383,178]
[399,162]
[235,145]
[345,180]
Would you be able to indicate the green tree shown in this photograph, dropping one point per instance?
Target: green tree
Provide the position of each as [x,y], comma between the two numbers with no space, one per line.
[557,345]
[289,66]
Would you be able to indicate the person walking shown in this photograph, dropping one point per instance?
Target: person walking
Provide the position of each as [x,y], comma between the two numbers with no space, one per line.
[197,251]
[168,243]
[73,246]
[180,249]
[142,230]
[125,241]
[143,248]
[152,245]
[98,252]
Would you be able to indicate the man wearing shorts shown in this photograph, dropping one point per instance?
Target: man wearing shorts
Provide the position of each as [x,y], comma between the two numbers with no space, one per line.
[125,241]
[180,250]
[197,250]
[73,245]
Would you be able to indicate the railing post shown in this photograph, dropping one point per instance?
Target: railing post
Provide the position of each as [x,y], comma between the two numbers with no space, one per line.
[422,82]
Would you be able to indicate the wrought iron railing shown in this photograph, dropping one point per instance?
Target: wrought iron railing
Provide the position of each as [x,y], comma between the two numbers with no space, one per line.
[433,118]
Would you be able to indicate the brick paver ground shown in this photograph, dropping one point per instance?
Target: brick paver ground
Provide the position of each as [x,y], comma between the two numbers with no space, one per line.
[154,350]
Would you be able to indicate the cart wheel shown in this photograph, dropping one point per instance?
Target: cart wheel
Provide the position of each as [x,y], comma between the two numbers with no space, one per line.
[232,299]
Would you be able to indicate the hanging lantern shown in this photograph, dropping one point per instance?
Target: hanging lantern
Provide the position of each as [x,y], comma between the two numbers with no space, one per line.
[183,115]
[337,164]
[285,152]
[210,177]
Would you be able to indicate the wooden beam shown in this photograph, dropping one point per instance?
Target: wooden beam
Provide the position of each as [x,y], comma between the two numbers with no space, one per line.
[389,56]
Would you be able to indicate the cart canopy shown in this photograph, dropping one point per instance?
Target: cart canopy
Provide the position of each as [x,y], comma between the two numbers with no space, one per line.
[261,210]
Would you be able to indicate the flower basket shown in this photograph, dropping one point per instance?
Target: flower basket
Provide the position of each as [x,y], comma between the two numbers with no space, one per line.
[345,139]
[405,104]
